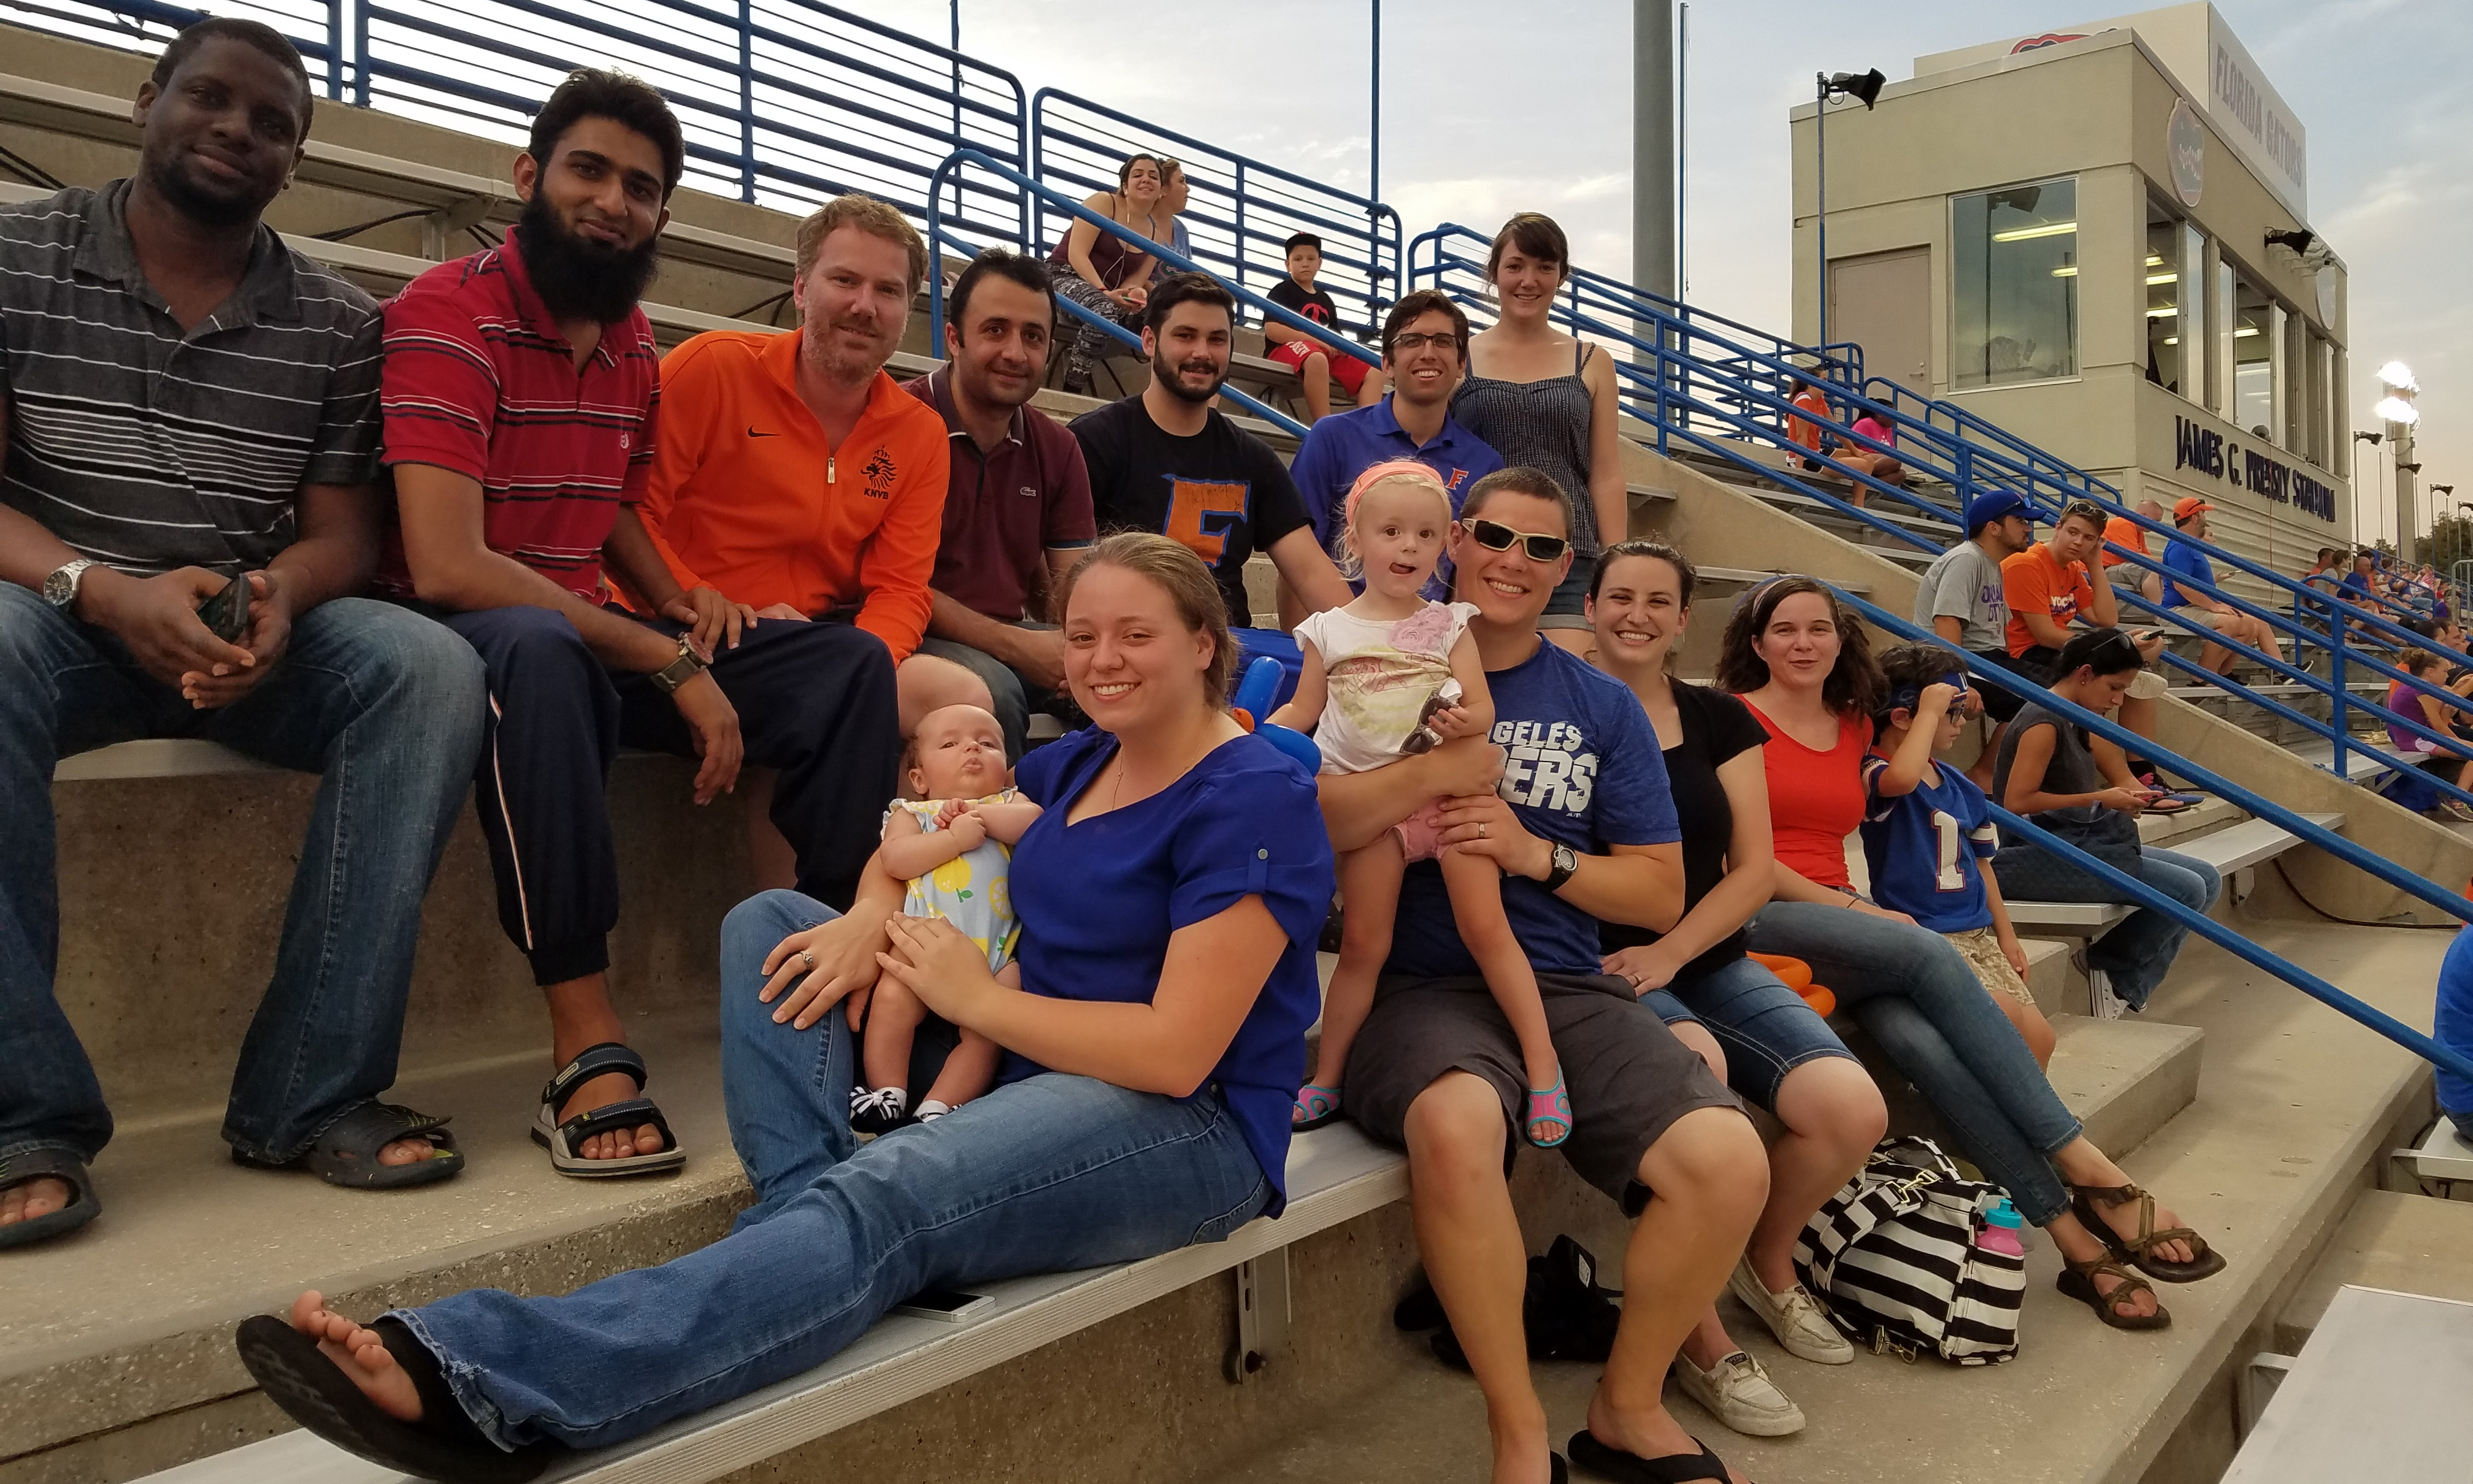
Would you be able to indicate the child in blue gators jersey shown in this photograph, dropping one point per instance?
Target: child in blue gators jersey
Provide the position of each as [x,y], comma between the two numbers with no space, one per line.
[1927,831]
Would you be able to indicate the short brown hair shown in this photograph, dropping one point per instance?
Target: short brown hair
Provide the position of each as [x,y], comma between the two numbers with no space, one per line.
[1175,570]
[1536,234]
[869,215]
[1853,685]
[1423,302]
[1518,479]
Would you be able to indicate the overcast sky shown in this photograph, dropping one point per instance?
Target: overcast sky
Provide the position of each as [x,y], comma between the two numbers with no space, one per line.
[1484,115]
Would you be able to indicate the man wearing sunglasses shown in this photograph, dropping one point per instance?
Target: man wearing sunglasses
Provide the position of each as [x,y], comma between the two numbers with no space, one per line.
[1425,354]
[1570,798]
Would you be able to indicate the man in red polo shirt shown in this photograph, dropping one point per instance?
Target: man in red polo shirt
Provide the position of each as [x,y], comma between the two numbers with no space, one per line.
[519,389]
[1018,511]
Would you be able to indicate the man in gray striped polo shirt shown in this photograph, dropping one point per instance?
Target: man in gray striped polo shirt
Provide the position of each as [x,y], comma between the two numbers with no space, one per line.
[189,403]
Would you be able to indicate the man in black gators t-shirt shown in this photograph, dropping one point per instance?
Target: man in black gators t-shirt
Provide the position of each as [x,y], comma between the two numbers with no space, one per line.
[1316,360]
[1167,461]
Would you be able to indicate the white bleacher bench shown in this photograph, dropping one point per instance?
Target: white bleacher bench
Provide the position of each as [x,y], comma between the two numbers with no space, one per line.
[2243,845]
[1642,496]
[2280,688]
[1336,1174]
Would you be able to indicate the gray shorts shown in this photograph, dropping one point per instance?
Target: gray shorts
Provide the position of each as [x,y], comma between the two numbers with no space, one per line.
[1628,1077]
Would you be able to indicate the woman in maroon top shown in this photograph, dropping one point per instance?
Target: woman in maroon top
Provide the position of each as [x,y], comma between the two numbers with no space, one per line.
[1103,272]
[1803,664]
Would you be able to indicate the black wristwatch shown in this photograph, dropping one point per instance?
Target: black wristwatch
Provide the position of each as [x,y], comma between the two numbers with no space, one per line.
[1563,862]
[677,672]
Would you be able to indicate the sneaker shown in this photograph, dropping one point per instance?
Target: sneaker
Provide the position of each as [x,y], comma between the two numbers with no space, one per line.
[1737,1392]
[2456,809]
[931,1109]
[2103,1002]
[1796,1317]
[879,1110]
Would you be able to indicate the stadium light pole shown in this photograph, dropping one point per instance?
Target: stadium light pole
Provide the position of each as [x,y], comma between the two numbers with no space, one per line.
[1374,103]
[1826,85]
[2397,411]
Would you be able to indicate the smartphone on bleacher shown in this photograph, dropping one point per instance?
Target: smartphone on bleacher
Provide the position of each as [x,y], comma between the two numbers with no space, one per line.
[949,1305]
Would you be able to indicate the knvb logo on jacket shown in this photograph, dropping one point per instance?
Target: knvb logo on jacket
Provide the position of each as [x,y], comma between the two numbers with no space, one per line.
[880,473]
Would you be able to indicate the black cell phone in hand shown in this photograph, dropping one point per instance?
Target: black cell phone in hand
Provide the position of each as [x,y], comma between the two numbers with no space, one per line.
[226,614]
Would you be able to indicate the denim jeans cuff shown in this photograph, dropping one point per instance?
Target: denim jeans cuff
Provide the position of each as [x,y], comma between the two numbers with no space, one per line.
[2077,1131]
[462,1380]
[556,963]
[29,1145]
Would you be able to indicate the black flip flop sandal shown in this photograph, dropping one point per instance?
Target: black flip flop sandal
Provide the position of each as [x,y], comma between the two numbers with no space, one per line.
[565,1141]
[2204,1262]
[1607,1461]
[346,1152]
[306,1383]
[58,1164]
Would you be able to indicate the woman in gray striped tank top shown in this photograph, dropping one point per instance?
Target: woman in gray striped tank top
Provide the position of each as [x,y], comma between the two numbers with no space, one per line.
[1546,399]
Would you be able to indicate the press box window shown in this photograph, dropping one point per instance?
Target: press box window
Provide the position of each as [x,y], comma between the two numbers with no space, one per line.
[2174,272]
[2014,262]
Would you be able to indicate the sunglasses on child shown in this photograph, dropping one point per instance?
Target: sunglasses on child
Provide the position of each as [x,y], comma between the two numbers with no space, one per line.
[1496,536]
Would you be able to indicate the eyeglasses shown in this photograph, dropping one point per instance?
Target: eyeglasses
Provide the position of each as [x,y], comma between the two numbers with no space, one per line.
[1495,537]
[1444,341]
[2085,509]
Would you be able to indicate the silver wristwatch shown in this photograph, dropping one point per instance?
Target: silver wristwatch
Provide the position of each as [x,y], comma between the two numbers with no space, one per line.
[677,672]
[61,587]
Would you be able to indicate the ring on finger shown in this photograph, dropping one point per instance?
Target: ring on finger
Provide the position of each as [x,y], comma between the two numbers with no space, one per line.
[808,957]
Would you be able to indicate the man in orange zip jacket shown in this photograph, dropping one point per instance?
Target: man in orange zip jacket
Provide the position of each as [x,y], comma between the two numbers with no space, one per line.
[799,479]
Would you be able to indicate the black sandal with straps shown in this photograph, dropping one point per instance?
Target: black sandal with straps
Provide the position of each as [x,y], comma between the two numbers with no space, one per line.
[2138,1251]
[48,1163]
[346,1152]
[565,1141]
[2076,1280]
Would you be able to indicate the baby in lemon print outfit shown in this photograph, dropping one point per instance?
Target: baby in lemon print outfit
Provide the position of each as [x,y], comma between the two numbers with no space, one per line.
[952,841]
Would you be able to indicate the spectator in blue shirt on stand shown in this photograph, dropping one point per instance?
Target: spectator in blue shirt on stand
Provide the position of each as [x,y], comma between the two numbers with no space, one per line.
[2200,608]
[2454,1030]
[1424,354]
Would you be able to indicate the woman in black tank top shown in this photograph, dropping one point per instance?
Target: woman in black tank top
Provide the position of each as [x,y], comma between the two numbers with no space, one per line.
[1103,272]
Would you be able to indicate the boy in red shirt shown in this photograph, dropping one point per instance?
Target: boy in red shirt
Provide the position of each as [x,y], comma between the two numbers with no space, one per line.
[519,396]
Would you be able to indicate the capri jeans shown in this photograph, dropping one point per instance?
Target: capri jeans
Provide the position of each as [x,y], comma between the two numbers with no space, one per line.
[1913,991]
[2139,952]
[1764,1028]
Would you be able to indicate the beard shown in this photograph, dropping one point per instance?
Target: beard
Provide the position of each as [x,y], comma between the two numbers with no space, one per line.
[206,207]
[579,280]
[1164,371]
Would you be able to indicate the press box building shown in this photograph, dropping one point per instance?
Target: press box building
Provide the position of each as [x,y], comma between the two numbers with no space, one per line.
[2091,236]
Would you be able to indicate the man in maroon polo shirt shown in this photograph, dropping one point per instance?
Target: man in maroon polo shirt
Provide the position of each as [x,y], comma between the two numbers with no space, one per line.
[519,394]
[1017,510]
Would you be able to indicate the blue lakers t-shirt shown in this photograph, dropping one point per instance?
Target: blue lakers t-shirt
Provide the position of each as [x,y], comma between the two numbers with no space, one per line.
[1581,768]
[1922,848]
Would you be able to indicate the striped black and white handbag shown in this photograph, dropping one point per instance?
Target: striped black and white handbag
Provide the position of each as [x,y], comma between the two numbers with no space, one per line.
[1898,1258]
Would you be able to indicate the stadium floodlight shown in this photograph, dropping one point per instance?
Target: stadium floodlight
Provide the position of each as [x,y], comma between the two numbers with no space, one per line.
[2397,376]
[2397,410]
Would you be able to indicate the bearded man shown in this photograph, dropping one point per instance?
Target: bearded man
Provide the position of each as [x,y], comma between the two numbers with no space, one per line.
[1167,461]
[520,386]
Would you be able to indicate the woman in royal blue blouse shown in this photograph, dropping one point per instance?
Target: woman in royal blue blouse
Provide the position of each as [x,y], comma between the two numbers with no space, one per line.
[1169,899]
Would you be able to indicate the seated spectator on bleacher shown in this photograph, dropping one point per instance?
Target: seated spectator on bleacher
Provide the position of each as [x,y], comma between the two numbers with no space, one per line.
[2423,702]
[1425,351]
[1583,826]
[1882,466]
[1167,461]
[2048,772]
[1105,272]
[1928,835]
[1805,432]
[190,404]
[1760,1036]
[1317,359]
[2453,1028]
[746,495]
[2322,577]
[520,384]
[2047,590]
[2184,557]
[1017,510]
[2123,532]
[1175,193]
[2361,584]
[1801,663]
[1960,598]
[1168,971]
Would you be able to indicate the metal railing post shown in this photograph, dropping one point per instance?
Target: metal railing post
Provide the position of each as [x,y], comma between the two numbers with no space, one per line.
[2338,723]
[747,101]
[1240,223]
[335,48]
[361,53]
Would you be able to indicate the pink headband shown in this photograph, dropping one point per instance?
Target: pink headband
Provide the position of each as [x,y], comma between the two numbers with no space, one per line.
[1388,469]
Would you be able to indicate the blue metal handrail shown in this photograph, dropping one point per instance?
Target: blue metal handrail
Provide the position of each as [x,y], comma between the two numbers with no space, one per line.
[2452,903]
[938,234]
[785,101]
[1247,207]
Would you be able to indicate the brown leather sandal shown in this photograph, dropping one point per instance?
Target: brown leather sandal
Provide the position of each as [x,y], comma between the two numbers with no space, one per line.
[2076,1280]
[2204,1263]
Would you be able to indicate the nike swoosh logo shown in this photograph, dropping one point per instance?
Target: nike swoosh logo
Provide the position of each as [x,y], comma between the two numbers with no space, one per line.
[752,433]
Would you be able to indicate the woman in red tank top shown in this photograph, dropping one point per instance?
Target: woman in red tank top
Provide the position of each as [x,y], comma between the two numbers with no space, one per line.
[1802,662]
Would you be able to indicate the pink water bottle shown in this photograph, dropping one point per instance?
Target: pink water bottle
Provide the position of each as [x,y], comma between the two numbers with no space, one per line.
[2001,1225]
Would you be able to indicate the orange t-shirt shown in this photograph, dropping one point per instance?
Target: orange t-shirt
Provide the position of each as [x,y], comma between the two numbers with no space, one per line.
[2121,530]
[1803,430]
[747,498]
[2033,579]
[1816,798]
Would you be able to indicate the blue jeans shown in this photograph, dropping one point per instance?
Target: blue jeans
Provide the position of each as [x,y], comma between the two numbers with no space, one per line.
[2138,953]
[1045,1175]
[1915,994]
[387,706]
[1765,1029]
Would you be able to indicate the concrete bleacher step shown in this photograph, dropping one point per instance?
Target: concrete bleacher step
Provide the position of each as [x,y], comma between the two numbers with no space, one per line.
[2390,1239]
